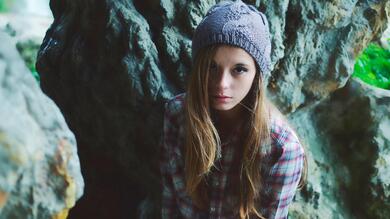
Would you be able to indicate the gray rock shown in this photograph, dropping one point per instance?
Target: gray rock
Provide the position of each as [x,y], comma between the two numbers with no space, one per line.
[349,154]
[315,45]
[378,129]
[321,196]
[39,168]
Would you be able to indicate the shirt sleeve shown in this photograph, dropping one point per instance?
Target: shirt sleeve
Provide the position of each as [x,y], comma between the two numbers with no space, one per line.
[169,208]
[280,184]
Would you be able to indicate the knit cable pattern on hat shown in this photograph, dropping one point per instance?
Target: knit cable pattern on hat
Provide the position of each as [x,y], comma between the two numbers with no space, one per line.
[236,24]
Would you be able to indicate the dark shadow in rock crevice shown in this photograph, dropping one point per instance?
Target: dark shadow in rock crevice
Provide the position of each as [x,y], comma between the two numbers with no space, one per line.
[347,121]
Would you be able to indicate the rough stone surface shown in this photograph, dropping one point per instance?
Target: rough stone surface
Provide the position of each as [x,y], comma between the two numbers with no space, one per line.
[40,173]
[321,197]
[110,65]
[349,154]
[315,45]
[364,145]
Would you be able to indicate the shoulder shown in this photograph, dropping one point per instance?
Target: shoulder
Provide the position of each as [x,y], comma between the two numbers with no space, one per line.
[281,131]
[175,105]
[174,116]
[173,135]
[284,139]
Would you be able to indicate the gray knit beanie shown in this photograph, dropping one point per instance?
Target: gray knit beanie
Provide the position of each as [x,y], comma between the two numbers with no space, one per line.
[237,24]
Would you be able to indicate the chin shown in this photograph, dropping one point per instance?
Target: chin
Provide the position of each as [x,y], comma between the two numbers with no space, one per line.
[222,107]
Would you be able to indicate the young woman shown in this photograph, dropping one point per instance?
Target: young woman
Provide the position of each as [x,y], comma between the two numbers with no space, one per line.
[227,152]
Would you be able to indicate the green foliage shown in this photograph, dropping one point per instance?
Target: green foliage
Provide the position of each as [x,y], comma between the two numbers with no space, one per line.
[373,66]
[4,5]
[28,50]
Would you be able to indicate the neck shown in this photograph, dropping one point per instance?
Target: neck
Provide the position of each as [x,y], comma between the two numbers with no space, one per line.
[226,121]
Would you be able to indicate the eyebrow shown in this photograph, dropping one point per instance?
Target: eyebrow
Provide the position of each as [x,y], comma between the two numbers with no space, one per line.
[241,64]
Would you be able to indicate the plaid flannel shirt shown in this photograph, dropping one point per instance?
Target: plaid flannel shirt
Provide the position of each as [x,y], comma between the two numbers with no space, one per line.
[281,171]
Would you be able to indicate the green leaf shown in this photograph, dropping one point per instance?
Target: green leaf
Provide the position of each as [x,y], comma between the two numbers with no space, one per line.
[373,66]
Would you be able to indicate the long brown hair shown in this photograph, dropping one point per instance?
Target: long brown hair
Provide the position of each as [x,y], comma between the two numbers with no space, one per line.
[202,137]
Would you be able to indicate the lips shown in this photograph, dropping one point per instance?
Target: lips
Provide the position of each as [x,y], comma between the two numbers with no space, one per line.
[219,96]
[221,99]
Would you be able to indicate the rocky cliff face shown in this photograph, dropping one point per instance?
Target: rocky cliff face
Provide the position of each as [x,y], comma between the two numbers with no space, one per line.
[110,65]
[349,157]
[315,45]
[39,168]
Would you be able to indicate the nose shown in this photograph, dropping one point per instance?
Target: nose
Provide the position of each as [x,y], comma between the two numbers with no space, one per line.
[222,80]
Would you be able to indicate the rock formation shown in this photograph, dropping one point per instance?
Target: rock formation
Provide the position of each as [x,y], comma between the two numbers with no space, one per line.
[349,154]
[39,168]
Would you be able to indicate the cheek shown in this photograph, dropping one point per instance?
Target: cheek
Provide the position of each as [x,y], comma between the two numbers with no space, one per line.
[245,88]
[247,84]
[209,82]
[212,84]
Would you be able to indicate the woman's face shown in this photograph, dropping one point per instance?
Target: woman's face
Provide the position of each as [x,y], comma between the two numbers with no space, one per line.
[230,78]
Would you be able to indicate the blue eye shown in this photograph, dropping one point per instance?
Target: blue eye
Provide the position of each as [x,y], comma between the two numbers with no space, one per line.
[240,70]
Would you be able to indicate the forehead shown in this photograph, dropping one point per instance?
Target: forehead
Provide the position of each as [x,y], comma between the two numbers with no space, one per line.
[226,54]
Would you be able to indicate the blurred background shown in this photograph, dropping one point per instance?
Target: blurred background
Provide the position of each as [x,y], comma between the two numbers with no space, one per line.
[27,21]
